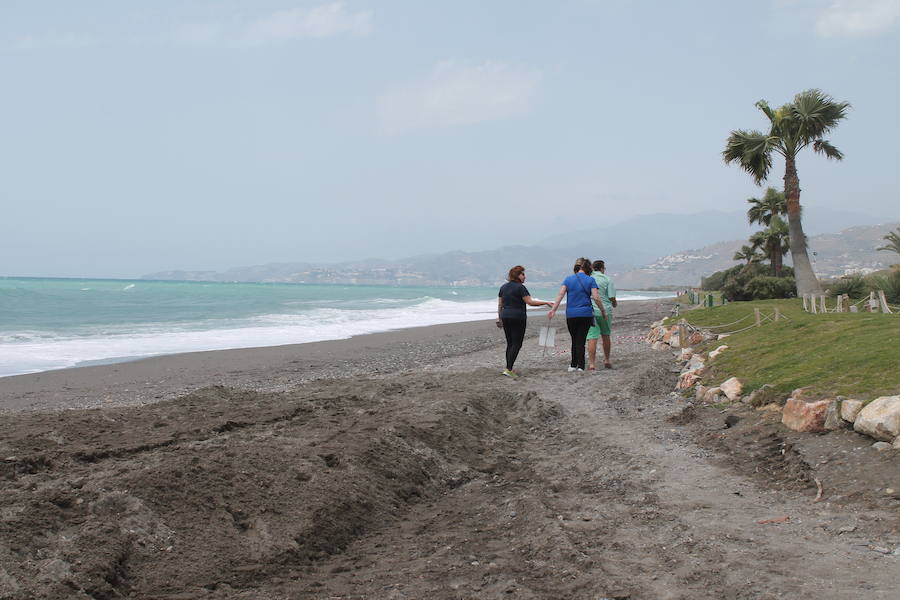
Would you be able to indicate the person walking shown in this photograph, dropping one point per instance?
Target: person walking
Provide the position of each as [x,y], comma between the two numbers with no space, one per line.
[603,326]
[511,301]
[579,289]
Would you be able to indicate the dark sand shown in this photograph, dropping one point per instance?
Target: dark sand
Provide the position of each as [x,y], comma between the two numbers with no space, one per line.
[402,465]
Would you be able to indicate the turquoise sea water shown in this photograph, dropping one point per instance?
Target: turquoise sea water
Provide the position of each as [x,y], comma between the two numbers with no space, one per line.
[57,323]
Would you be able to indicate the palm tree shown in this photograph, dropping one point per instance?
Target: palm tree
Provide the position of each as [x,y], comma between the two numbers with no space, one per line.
[748,253]
[793,127]
[893,241]
[762,210]
[774,241]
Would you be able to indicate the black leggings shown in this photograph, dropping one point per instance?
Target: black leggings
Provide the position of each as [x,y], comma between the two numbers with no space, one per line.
[578,330]
[515,335]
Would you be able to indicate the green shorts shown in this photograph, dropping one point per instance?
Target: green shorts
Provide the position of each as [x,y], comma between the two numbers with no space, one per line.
[604,328]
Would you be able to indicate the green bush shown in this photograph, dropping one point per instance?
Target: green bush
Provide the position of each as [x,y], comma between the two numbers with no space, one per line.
[854,285]
[890,283]
[752,282]
[763,287]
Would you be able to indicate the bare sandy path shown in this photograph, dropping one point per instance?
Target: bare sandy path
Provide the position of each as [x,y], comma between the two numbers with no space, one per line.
[441,479]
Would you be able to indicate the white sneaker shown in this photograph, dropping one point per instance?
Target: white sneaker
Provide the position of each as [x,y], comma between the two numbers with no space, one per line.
[579,369]
[571,369]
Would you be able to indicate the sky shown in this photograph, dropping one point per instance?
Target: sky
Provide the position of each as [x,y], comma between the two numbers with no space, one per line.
[202,135]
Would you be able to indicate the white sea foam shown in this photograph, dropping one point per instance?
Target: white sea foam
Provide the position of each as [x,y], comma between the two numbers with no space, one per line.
[35,352]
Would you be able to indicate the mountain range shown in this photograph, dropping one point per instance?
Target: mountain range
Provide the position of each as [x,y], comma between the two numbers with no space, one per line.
[642,252]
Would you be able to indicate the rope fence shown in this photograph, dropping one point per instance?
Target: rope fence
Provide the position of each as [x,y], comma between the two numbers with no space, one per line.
[876,302]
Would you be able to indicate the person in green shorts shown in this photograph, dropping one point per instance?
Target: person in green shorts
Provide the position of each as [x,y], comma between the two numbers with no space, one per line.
[602,328]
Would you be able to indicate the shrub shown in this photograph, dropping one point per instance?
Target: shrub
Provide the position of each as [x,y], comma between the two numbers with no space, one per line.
[853,285]
[763,287]
[890,283]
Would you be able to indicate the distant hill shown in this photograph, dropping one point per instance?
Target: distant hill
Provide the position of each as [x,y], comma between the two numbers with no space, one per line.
[631,250]
[832,254]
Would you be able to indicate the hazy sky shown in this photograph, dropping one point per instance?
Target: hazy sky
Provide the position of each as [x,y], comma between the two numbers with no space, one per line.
[143,136]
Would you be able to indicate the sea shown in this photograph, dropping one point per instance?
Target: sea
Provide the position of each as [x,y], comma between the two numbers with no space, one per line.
[49,323]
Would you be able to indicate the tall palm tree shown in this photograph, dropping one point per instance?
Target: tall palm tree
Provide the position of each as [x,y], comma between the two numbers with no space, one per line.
[763,209]
[775,241]
[893,241]
[748,253]
[793,127]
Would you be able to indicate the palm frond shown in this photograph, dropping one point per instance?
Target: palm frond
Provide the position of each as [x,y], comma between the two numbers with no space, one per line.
[814,113]
[825,147]
[752,150]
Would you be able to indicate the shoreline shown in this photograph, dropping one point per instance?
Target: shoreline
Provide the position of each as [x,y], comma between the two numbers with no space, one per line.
[264,369]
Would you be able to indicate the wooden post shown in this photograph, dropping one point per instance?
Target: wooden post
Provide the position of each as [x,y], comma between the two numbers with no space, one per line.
[883,301]
[845,301]
[812,304]
[873,303]
[682,334]
[805,303]
[777,314]
[822,299]
[839,307]
[756,313]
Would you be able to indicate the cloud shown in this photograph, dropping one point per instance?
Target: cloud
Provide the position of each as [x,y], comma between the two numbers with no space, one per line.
[857,18]
[459,94]
[319,22]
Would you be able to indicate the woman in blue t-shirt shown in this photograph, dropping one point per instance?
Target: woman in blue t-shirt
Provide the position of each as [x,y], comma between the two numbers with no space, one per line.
[580,288]
[511,316]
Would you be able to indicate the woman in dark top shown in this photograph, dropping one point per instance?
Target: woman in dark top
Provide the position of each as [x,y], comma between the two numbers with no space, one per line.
[511,316]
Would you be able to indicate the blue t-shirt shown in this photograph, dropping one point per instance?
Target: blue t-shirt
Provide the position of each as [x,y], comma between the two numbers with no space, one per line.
[578,295]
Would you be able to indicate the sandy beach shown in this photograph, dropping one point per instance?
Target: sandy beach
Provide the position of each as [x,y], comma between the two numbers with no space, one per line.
[402,465]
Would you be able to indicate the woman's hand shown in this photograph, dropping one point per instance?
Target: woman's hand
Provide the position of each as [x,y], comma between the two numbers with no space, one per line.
[551,313]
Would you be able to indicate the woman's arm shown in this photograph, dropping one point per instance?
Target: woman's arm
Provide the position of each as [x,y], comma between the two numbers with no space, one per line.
[532,302]
[559,297]
[500,311]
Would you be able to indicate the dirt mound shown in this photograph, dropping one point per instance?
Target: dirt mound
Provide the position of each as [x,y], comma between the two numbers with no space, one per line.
[224,488]
[656,379]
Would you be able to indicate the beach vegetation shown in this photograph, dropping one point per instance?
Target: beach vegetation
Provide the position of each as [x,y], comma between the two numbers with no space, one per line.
[793,127]
[774,241]
[748,253]
[849,354]
[751,282]
[857,285]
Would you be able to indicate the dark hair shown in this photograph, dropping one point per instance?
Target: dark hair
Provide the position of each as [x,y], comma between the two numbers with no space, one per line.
[599,265]
[584,264]
[515,272]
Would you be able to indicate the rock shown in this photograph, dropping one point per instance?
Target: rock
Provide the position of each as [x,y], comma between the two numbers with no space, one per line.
[669,333]
[675,340]
[896,444]
[701,391]
[658,345]
[763,395]
[731,421]
[833,420]
[695,338]
[802,414]
[850,409]
[686,354]
[732,388]
[722,336]
[880,419]
[696,362]
[688,379]
[717,351]
[882,446]
[712,395]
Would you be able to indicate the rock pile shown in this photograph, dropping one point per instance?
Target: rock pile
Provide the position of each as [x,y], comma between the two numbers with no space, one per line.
[879,419]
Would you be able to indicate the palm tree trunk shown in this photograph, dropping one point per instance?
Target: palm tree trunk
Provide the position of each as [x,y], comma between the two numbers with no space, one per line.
[803,271]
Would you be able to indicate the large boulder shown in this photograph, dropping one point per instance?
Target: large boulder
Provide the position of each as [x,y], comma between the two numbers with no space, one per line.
[880,418]
[802,414]
[850,409]
[833,420]
[712,395]
[732,388]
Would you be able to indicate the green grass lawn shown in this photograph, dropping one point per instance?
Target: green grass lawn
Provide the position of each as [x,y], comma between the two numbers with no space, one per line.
[850,354]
